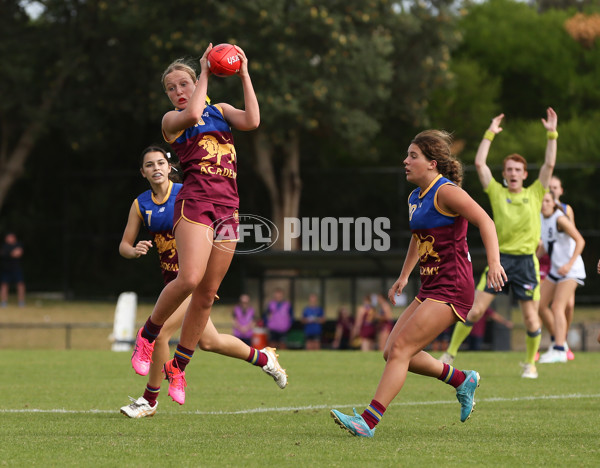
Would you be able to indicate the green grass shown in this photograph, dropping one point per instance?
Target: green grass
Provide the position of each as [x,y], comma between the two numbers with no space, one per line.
[61,408]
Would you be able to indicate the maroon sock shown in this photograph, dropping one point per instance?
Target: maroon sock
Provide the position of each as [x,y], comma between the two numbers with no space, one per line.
[452,376]
[151,394]
[151,330]
[373,413]
[257,358]
[183,356]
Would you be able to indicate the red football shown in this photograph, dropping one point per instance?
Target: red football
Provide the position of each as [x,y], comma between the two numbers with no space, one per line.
[223,60]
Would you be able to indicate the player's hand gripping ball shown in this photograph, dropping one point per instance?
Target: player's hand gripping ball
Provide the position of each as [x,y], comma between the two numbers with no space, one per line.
[223,60]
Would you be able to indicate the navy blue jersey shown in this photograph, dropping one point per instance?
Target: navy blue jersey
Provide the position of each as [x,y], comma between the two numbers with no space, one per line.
[157,217]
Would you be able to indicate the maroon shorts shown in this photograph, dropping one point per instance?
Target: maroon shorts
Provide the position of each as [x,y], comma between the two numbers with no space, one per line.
[460,309]
[368,330]
[223,220]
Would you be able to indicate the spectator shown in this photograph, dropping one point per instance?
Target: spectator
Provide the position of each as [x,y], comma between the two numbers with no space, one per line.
[11,272]
[385,320]
[278,319]
[343,329]
[243,319]
[365,326]
[313,318]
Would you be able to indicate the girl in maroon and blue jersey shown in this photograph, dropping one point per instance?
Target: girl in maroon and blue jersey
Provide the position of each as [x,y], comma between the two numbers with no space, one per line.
[445,265]
[438,213]
[153,210]
[205,220]
[208,157]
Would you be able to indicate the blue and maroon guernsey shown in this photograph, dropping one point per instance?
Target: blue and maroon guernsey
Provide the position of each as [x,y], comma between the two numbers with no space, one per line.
[157,217]
[208,159]
[445,263]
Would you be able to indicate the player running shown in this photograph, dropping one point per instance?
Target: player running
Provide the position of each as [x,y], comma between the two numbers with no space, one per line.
[154,210]
[564,244]
[439,212]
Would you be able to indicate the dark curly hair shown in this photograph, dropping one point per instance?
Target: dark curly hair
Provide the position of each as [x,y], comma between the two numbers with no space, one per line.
[436,146]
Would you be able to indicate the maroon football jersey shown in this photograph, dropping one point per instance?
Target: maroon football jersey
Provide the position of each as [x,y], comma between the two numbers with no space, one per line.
[208,159]
[445,264]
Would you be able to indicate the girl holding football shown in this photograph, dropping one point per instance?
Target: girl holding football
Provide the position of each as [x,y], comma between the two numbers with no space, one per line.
[205,220]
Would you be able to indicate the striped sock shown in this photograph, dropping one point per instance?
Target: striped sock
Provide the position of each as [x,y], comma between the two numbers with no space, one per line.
[257,358]
[151,330]
[373,413]
[183,356]
[452,376]
[151,394]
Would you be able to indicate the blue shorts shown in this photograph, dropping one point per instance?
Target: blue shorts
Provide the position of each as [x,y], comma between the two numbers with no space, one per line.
[523,272]
[12,276]
[313,336]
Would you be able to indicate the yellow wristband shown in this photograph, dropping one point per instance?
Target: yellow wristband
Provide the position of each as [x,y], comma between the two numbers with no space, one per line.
[489,135]
[553,135]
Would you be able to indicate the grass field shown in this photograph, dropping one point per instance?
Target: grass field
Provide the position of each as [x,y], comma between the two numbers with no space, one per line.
[61,408]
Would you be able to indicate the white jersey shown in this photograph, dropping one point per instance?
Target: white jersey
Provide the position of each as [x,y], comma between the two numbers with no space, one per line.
[560,246]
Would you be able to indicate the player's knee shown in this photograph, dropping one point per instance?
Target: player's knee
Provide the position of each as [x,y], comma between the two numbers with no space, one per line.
[386,350]
[186,284]
[395,350]
[205,299]
[475,314]
[207,344]
[188,280]
[531,323]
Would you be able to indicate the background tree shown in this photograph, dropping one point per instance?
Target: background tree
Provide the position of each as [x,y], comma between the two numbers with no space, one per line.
[321,71]
[25,108]
[518,59]
[323,74]
[515,60]
[342,85]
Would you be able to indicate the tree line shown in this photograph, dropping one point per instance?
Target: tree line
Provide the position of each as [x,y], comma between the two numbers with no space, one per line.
[343,85]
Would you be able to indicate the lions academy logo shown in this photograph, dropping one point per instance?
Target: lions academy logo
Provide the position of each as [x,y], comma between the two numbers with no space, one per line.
[426,251]
[425,246]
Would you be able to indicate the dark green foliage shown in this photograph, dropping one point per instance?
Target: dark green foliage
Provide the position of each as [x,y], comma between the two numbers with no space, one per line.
[356,79]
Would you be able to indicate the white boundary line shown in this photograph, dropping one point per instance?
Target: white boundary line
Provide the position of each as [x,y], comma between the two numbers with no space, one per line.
[569,396]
